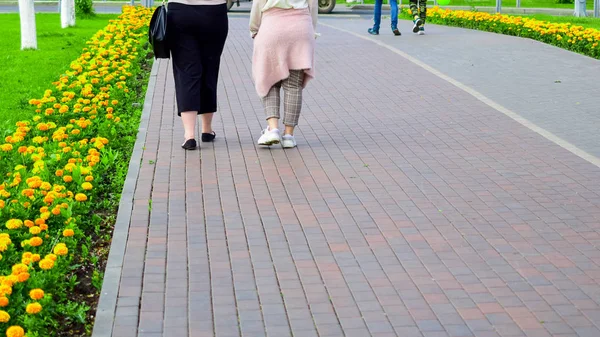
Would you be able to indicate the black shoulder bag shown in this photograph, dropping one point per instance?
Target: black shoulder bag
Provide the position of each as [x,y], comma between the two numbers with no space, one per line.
[157,33]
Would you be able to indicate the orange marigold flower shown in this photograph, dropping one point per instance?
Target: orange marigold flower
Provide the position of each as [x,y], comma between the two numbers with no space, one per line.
[36,257]
[4,301]
[28,192]
[80,197]
[68,232]
[10,280]
[46,264]
[36,294]
[15,331]
[19,268]
[33,308]
[36,241]
[23,277]
[67,179]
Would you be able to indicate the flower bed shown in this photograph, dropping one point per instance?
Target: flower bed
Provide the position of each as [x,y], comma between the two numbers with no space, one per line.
[58,170]
[564,35]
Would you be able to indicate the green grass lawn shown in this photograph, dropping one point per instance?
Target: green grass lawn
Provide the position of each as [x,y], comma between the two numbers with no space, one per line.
[26,74]
[492,3]
[585,22]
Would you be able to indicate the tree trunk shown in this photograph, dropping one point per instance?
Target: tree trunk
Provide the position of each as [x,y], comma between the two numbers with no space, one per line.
[580,8]
[67,13]
[27,18]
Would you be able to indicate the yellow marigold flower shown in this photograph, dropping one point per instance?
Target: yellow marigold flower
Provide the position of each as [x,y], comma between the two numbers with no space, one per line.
[61,249]
[23,277]
[5,289]
[6,147]
[26,261]
[27,255]
[14,224]
[4,316]
[36,257]
[3,246]
[45,215]
[46,264]
[46,186]
[51,257]
[19,268]
[35,230]
[33,308]
[86,186]
[68,232]
[80,197]
[36,241]
[15,331]
[4,301]
[36,294]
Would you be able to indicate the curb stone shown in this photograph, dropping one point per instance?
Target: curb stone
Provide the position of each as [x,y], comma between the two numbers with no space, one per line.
[105,313]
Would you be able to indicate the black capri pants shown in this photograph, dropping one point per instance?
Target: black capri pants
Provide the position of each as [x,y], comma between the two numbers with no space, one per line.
[196,35]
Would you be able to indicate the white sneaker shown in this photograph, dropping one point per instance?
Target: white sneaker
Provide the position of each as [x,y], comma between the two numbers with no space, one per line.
[269,137]
[288,141]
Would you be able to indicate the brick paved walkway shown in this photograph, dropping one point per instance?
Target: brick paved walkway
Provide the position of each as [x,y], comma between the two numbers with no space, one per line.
[401,213]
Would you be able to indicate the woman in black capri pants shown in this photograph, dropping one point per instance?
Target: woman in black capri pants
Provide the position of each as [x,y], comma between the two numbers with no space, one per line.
[197,30]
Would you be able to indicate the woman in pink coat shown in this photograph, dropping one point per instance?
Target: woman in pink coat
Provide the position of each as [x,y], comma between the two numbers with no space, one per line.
[284,47]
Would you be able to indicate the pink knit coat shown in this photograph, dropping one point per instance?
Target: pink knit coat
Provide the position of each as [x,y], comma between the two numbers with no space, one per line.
[285,41]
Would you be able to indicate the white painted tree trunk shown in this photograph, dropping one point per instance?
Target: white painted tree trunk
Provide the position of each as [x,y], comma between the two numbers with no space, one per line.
[580,8]
[67,13]
[27,18]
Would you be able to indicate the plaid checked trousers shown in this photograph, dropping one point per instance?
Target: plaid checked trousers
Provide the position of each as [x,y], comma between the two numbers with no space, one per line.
[292,98]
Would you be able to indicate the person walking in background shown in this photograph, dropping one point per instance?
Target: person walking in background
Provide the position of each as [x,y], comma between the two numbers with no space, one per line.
[284,46]
[377,17]
[418,8]
[197,30]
